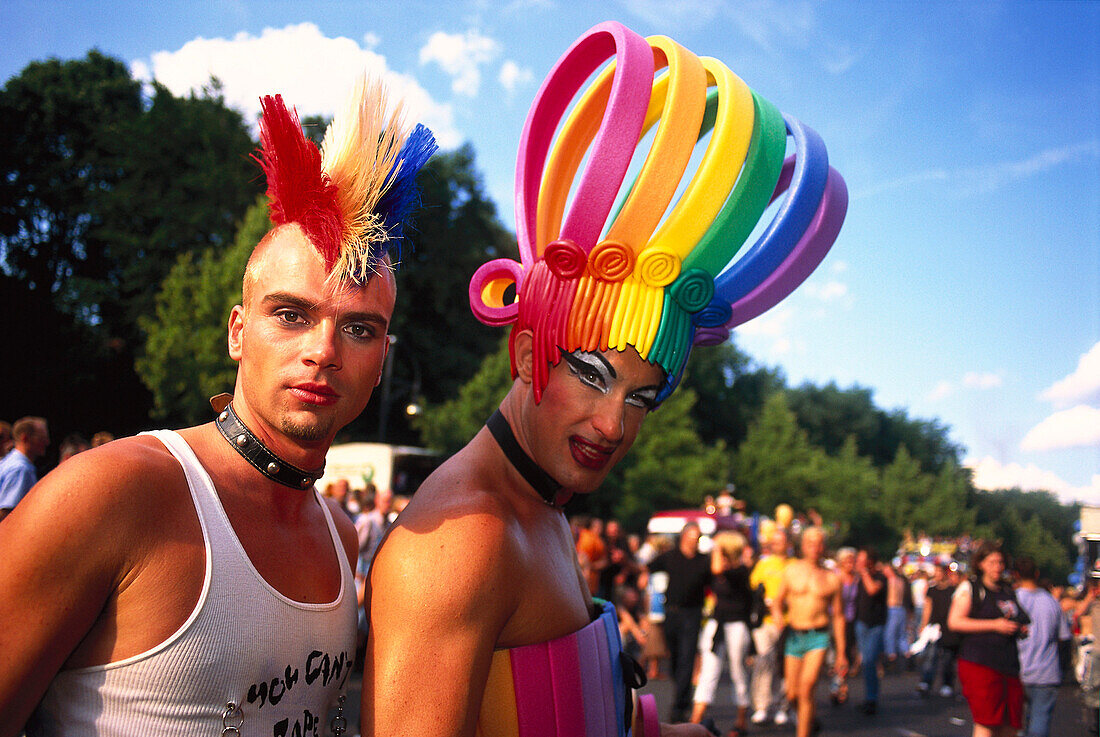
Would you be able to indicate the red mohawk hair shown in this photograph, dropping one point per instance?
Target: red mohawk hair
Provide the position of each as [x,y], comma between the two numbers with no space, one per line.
[298,189]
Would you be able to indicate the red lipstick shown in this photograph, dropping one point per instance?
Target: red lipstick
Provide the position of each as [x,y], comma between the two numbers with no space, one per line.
[589,454]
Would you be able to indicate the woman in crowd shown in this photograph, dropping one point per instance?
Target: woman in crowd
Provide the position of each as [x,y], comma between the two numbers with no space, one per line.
[726,633]
[985,612]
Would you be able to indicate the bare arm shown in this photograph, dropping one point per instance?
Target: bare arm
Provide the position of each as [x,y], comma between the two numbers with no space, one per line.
[780,599]
[926,613]
[839,633]
[67,549]
[871,584]
[439,598]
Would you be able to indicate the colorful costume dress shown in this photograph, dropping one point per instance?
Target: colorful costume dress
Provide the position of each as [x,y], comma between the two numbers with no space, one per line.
[569,687]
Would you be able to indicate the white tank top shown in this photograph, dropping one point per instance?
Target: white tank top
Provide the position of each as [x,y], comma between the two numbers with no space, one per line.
[280,662]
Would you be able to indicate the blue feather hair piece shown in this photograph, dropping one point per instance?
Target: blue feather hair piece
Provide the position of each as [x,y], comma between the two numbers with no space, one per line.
[401,196]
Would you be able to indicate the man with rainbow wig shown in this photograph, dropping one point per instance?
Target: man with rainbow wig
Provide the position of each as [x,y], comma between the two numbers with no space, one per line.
[480,623]
[195,582]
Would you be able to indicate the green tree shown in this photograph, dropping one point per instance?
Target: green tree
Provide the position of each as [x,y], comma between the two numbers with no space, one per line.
[440,344]
[188,182]
[731,389]
[776,463]
[60,121]
[450,425]
[186,360]
[848,496]
[830,415]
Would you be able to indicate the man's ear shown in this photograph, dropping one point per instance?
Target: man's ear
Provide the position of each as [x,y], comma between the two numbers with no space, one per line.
[523,352]
[236,327]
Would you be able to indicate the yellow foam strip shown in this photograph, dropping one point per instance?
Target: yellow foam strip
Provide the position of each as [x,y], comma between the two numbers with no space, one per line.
[725,154]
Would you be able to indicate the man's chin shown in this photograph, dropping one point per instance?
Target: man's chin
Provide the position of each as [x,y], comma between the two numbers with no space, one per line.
[308,431]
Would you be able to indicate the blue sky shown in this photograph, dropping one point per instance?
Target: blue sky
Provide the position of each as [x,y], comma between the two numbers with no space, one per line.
[965,285]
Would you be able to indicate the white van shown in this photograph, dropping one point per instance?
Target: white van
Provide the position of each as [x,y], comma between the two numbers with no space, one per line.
[400,468]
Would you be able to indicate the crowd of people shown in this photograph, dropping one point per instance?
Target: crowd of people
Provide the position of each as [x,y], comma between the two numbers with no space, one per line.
[778,614]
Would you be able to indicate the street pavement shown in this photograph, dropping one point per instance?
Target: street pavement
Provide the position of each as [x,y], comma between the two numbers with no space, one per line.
[901,713]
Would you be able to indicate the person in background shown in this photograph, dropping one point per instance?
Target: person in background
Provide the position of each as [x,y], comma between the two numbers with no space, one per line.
[766,676]
[6,440]
[17,471]
[72,444]
[938,658]
[1040,669]
[689,574]
[810,595]
[899,604]
[989,619]
[726,632]
[870,623]
[101,438]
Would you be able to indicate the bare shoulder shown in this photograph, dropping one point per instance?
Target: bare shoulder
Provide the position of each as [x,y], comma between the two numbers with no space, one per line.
[456,542]
[127,480]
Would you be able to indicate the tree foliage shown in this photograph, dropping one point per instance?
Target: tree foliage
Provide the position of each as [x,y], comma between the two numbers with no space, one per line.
[449,425]
[186,359]
[440,344]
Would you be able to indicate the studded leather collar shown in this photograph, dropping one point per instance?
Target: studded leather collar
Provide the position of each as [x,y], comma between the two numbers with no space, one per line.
[255,452]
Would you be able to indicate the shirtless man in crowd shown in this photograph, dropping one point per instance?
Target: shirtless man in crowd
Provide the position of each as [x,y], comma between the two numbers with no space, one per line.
[810,594]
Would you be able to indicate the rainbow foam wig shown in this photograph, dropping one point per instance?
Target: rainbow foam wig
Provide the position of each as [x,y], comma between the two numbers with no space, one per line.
[354,196]
[655,271]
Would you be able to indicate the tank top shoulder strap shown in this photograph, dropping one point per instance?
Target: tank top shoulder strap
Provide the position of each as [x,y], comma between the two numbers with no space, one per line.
[203,494]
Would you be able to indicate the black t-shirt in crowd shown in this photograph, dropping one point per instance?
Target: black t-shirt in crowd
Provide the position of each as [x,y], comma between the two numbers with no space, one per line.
[992,649]
[687,578]
[871,610]
[733,597]
[940,601]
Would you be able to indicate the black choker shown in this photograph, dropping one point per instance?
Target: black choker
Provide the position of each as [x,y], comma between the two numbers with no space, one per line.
[547,487]
[255,452]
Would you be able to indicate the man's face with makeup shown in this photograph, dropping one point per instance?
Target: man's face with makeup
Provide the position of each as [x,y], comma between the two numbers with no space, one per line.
[590,414]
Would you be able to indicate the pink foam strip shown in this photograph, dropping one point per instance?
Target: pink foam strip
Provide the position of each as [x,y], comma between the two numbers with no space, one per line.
[613,146]
[565,668]
[592,687]
[530,674]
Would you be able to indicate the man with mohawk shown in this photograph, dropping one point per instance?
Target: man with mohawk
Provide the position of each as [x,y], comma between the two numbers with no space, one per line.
[195,582]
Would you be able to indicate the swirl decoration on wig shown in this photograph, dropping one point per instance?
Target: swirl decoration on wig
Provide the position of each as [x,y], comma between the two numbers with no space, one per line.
[354,196]
[660,271]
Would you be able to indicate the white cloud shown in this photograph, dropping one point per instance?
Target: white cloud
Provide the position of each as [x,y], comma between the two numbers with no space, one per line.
[371,40]
[1070,428]
[838,267]
[461,56]
[975,180]
[1083,385]
[942,390]
[772,324]
[827,292]
[312,72]
[990,474]
[512,76]
[987,380]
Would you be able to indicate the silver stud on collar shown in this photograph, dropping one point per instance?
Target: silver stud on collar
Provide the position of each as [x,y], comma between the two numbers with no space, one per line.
[242,440]
[273,467]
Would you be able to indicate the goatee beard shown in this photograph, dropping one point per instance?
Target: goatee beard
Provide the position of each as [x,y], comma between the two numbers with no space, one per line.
[310,433]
